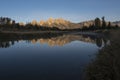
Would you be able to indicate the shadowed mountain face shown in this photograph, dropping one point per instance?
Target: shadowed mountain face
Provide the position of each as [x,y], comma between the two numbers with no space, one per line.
[52,39]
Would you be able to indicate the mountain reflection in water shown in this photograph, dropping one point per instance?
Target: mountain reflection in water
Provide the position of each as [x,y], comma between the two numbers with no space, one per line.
[47,56]
[52,39]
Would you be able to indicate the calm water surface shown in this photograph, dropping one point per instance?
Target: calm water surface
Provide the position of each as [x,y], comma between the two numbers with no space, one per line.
[58,57]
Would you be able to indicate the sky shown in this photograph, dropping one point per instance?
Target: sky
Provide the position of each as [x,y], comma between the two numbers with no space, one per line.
[72,10]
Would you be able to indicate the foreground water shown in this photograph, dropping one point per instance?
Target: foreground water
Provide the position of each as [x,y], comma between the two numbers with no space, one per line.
[47,56]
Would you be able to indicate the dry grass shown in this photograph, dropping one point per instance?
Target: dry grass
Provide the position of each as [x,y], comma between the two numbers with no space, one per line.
[106,66]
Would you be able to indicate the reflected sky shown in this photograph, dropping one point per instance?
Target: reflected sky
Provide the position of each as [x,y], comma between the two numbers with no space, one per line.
[25,60]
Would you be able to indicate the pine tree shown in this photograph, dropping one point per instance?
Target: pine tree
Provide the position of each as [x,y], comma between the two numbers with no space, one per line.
[103,22]
[97,23]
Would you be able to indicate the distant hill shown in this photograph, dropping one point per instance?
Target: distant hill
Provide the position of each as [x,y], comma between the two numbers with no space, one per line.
[86,23]
[116,23]
[91,22]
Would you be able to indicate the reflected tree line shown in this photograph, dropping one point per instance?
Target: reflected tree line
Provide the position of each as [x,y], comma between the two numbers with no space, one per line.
[8,40]
[52,39]
[6,44]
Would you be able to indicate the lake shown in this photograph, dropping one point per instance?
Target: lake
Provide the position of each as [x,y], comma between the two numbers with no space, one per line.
[47,56]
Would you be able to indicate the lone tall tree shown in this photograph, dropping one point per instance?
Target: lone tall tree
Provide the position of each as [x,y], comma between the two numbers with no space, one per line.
[103,22]
[109,25]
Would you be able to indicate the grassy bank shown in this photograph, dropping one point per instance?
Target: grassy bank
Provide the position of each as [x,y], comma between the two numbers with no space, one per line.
[106,66]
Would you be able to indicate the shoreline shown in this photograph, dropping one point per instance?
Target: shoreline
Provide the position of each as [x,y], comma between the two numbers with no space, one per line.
[90,33]
[31,32]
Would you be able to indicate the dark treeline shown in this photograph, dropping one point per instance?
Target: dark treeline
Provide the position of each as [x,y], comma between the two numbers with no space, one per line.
[7,24]
[99,24]
[102,24]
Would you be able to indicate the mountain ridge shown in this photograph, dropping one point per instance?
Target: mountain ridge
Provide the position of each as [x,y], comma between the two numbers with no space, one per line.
[61,23]
[65,24]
